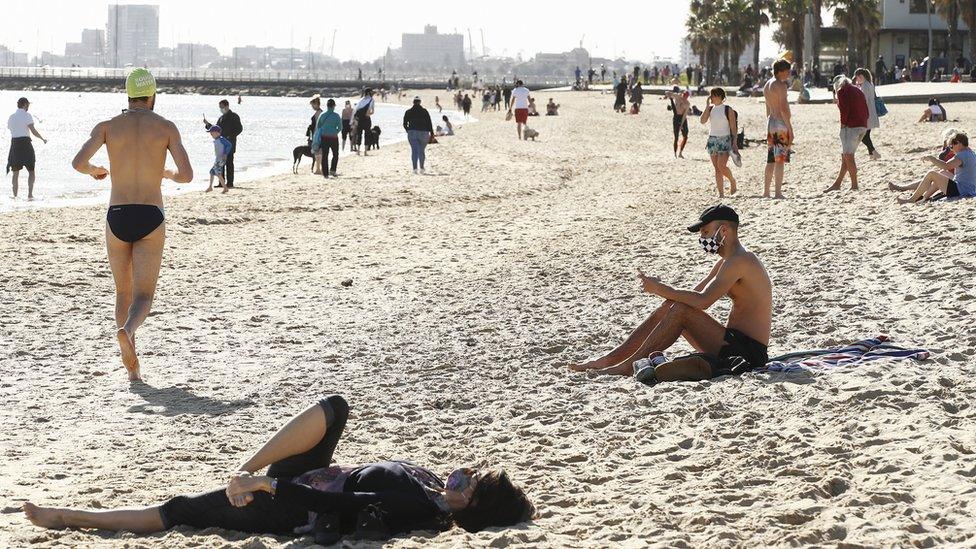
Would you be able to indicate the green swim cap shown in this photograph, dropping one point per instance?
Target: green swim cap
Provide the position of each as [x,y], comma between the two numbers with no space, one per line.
[140,83]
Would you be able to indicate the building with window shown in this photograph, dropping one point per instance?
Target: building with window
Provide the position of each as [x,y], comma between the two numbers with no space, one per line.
[133,34]
[90,52]
[432,48]
[904,34]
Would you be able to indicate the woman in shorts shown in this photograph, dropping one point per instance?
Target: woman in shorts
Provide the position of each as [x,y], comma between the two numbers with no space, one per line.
[723,125]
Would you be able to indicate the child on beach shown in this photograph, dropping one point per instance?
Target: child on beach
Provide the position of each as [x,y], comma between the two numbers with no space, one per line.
[222,147]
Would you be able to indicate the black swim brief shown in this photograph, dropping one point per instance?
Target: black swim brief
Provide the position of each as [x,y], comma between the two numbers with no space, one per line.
[740,354]
[133,222]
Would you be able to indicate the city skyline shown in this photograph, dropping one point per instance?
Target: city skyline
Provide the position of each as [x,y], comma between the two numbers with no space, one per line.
[363,37]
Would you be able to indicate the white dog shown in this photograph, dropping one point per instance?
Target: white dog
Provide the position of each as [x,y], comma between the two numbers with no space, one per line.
[529,133]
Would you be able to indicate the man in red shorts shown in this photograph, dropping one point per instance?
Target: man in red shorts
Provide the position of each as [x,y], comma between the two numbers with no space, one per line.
[520,101]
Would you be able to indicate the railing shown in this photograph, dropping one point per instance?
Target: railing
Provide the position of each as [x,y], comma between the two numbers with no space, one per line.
[262,76]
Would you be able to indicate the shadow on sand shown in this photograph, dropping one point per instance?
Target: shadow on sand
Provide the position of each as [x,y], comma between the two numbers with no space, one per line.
[175,401]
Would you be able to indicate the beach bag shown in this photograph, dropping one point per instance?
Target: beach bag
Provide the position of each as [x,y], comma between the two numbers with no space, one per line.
[879,106]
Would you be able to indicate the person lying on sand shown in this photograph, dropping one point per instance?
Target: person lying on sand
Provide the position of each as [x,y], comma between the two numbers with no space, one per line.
[945,155]
[137,141]
[302,491]
[963,181]
[732,349]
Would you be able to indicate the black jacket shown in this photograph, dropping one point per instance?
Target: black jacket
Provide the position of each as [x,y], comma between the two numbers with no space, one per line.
[417,119]
[230,125]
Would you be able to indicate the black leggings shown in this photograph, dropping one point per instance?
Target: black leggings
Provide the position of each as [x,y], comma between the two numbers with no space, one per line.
[364,125]
[264,515]
[867,141]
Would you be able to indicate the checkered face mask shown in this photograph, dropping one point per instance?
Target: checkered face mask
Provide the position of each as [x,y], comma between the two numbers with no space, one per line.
[711,244]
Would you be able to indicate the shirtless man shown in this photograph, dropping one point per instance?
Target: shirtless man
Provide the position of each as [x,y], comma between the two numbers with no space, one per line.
[779,132]
[680,107]
[137,141]
[738,347]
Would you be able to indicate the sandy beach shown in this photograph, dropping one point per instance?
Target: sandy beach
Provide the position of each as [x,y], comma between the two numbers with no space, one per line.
[473,287]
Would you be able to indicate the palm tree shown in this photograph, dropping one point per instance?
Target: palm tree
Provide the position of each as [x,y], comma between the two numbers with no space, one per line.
[739,24]
[817,9]
[967,9]
[705,33]
[863,20]
[949,10]
[759,8]
[790,15]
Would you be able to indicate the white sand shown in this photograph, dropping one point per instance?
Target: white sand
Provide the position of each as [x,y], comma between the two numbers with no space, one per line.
[473,287]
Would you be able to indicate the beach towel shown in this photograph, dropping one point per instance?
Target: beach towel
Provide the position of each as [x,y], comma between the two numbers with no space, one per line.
[855,354]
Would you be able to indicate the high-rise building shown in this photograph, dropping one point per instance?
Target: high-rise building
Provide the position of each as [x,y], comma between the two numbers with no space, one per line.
[431,48]
[133,34]
[89,52]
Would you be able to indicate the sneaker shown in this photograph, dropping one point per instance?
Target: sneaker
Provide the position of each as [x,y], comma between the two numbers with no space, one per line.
[422,171]
[416,171]
[644,368]
[876,155]
[333,173]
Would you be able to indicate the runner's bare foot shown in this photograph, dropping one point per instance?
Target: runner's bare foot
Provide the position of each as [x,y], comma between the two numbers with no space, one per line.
[853,187]
[832,188]
[780,196]
[45,517]
[225,190]
[129,358]
[732,189]
[209,189]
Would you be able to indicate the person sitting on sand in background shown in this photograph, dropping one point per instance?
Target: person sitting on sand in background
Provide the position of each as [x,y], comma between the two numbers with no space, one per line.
[304,491]
[448,127]
[945,155]
[963,182]
[723,125]
[533,111]
[935,112]
[137,141]
[738,347]
[552,108]
[853,124]
[222,148]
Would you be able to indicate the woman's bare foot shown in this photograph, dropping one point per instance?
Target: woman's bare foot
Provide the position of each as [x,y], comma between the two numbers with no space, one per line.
[45,517]
[732,188]
[129,358]
[832,188]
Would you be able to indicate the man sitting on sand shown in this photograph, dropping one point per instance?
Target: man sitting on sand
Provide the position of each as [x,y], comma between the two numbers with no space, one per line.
[738,347]
[137,141]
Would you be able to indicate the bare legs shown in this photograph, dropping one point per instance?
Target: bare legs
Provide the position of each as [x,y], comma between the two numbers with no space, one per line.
[774,170]
[15,181]
[145,520]
[721,164]
[847,166]
[934,181]
[135,268]
[661,330]
[297,436]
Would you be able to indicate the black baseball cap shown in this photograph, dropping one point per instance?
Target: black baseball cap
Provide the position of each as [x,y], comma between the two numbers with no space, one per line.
[718,212]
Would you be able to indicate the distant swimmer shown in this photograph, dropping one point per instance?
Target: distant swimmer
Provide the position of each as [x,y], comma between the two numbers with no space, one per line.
[779,132]
[137,141]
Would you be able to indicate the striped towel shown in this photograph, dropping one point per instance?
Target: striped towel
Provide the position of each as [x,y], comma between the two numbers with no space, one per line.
[866,350]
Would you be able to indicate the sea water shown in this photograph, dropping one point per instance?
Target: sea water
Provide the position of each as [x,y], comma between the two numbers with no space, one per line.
[273,127]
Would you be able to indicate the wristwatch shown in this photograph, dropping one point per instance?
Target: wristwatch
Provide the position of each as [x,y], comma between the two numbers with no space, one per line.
[274,486]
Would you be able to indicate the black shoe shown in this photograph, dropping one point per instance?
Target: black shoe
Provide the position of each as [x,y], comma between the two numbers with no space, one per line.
[230,185]
[327,529]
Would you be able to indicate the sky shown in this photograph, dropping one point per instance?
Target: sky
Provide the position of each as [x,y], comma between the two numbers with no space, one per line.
[364,30]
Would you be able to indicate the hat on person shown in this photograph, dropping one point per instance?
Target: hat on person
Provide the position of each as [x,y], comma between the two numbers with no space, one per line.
[315,98]
[215,128]
[676,89]
[718,212]
[416,99]
[140,83]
